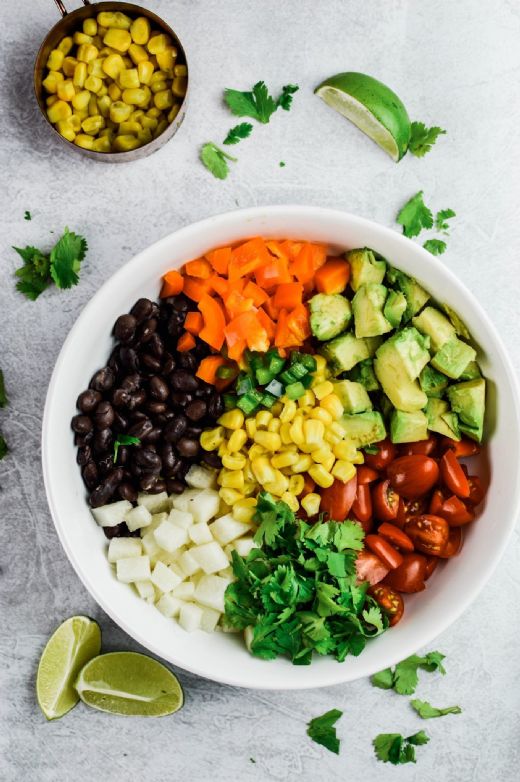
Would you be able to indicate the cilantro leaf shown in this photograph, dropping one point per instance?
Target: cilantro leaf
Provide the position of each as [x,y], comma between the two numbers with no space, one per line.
[415,215]
[3,395]
[322,730]
[374,617]
[418,739]
[441,217]
[384,679]
[34,275]
[215,160]
[238,132]
[27,215]
[435,246]
[427,711]
[285,99]
[404,678]
[422,138]
[281,164]
[124,439]
[66,257]
[258,103]
[349,535]
[394,748]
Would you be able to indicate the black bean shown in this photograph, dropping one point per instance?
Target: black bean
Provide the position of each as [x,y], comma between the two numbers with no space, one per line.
[129,359]
[84,455]
[174,327]
[182,380]
[147,483]
[103,440]
[181,399]
[188,447]
[158,388]
[127,491]
[146,330]
[142,309]
[120,422]
[215,406]
[155,408]
[124,328]
[101,495]
[90,475]
[106,465]
[136,400]
[132,383]
[158,486]
[141,428]
[120,397]
[151,363]
[155,346]
[114,361]
[152,437]
[175,486]
[104,415]
[212,459]
[88,400]
[167,455]
[147,460]
[82,424]
[103,379]
[123,455]
[117,531]
[162,418]
[196,410]
[180,303]
[83,439]
[194,431]
[168,364]
[187,360]
[174,429]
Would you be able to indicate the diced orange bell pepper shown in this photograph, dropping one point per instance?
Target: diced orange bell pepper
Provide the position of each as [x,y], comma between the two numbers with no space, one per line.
[308,260]
[333,276]
[278,249]
[200,268]
[193,322]
[236,303]
[186,342]
[288,295]
[252,291]
[173,283]
[219,259]
[284,337]
[247,257]
[208,367]
[273,273]
[298,323]
[247,327]
[214,322]
[195,289]
[266,323]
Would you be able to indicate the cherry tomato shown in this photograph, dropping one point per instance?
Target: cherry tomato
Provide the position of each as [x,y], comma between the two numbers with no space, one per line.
[424,447]
[362,506]
[436,501]
[389,600]
[413,476]
[409,508]
[409,576]
[476,490]
[385,501]
[308,484]
[461,449]
[366,475]
[388,555]
[456,513]
[384,456]
[454,543]
[429,533]
[395,536]
[336,501]
[431,564]
[453,475]
[370,568]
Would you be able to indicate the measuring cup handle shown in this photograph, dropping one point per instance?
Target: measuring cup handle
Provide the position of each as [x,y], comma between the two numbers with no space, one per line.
[63,10]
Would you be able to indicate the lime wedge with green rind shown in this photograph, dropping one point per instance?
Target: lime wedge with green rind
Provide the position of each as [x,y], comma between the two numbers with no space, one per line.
[372,106]
[74,643]
[130,684]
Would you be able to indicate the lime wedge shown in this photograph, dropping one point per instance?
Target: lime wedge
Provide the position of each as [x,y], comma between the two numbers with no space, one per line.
[73,644]
[131,684]
[372,106]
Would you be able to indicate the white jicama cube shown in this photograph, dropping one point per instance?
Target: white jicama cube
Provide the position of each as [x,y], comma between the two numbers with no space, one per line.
[150,545]
[155,503]
[210,591]
[200,533]
[133,569]
[210,556]
[145,590]
[199,477]
[182,501]
[227,572]
[181,518]
[169,605]
[157,520]
[112,514]
[184,591]
[124,548]
[190,617]
[164,578]
[138,517]
[248,637]
[205,506]
[226,528]
[209,619]
[188,564]
[170,537]
[244,545]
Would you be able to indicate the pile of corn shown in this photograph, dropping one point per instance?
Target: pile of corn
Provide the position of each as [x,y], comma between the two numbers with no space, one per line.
[114,86]
[275,448]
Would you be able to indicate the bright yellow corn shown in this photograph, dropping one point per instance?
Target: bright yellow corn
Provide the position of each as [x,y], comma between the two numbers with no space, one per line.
[92,106]
[271,441]
[163,99]
[255,451]
[144,135]
[262,470]
[324,456]
[80,74]
[145,71]
[65,129]
[212,438]
[244,510]
[84,141]
[128,79]
[75,123]
[263,418]
[313,433]
[323,389]
[179,86]
[231,479]
[180,70]
[296,484]
[285,433]
[51,81]
[332,404]
[126,143]
[343,470]
[90,26]
[166,59]
[129,126]
[118,39]
[344,450]
[284,459]
[93,83]
[274,425]
[311,504]
[65,45]
[86,52]
[320,476]
[307,399]
[237,440]
[66,90]
[115,19]
[59,111]
[81,38]
[95,68]
[140,30]
[321,415]
[137,54]
[104,103]
[250,427]
[55,60]
[171,116]
[290,500]
[296,431]
[303,464]
[92,125]
[232,419]
[81,99]
[234,461]
[230,496]
[158,43]
[69,66]
[153,112]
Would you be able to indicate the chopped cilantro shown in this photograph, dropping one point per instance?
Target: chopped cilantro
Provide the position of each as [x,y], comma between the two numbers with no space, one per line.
[422,138]
[62,265]
[281,164]
[27,215]
[252,760]
[215,160]
[3,447]
[3,395]
[34,275]
[415,215]
[427,711]
[124,439]
[435,246]
[322,730]
[396,749]
[238,132]
[404,678]
[259,104]
[441,217]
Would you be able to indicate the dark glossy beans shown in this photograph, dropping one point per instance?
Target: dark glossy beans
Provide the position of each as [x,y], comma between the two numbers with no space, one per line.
[83,439]
[102,493]
[141,428]
[187,447]
[147,483]
[104,415]
[215,405]
[168,364]
[212,459]
[188,361]
[150,363]
[82,424]
[127,491]
[90,475]
[153,436]
[88,401]
[118,531]
[175,486]
[124,328]
[131,383]
[196,410]
[106,465]
[182,380]
[158,487]
[84,455]
[129,359]
[142,309]
[103,379]
[174,429]
[137,399]
[146,331]
[181,399]
[123,455]
[147,460]
[121,397]
[158,388]
[181,304]
[155,346]
[103,440]
[120,422]
[155,408]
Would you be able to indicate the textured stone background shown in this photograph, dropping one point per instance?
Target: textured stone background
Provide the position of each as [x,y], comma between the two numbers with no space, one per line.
[454,63]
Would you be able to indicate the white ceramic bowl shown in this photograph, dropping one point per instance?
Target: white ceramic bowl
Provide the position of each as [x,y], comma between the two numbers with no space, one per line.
[220,656]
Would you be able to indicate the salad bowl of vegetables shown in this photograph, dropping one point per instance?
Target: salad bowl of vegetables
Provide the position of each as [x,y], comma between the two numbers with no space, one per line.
[298,449]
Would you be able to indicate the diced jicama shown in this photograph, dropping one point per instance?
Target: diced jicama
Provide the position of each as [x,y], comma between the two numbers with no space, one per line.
[181,518]
[138,517]
[210,556]
[248,637]
[155,503]
[209,619]
[190,617]
[145,590]
[205,506]
[112,514]
[169,605]
[182,501]
[200,533]
[170,537]
[244,545]
[164,578]
[199,477]
[226,528]
[210,592]
[133,569]
[184,591]
[123,548]
[188,564]
[150,545]
[157,520]
[227,572]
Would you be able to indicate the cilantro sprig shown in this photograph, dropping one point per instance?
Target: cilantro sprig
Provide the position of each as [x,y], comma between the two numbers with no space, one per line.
[422,138]
[435,246]
[395,748]
[415,216]
[322,730]
[124,439]
[216,160]
[60,266]
[258,103]
[426,711]
[238,132]
[405,676]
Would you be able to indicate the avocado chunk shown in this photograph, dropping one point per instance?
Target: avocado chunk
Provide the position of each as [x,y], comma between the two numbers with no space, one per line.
[453,358]
[471,372]
[385,406]
[441,419]
[364,373]
[394,308]
[354,397]
[433,383]
[344,352]
[330,315]
[459,326]
[372,344]
[408,427]
[367,306]
[416,297]
[468,400]
[364,428]
[438,328]
[412,348]
[393,372]
[365,267]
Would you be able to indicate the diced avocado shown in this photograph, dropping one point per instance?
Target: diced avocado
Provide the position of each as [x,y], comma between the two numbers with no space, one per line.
[364,373]
[330,315]
[471,372]
[365,267]
[394,308]
[468,400]
[413,350]
[458,324]
[364,428]
[385,406]
[435,325]
[441,419]
[354,397]
[344,352]
[433,383]
[416,297]
[367,306]
[453,358]
[372,344]
[394,376]
[408,427]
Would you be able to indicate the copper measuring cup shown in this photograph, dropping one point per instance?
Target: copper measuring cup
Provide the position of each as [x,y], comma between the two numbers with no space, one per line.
[68,25]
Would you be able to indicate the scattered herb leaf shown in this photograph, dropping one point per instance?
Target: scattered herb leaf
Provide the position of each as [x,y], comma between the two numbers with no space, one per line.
[281,164]
[66,257]
[215,160]
[27,215]
[258,103]
[252,760]
[322,730]
[404,678]
[238,132]
[441,217]
[427,711]
[34,275]
[395,748]
[415,215]
[3,447]
[124,439]
[285,99]
[3,395]
[435,246]
[422,138]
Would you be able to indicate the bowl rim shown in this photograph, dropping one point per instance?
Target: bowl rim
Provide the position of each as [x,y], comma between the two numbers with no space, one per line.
[242,216]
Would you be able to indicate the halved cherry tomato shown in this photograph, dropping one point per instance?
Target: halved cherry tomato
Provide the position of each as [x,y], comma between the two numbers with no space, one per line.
[336,501]
[370,568]
[385,455]
[455,512]
[436,501]
[424,447]
[385,501]
[453,474]
[388,555]
[429,533]
[476,490]
[462,448]
[413,476]
[366,475]
[389,600]
[409,508]
[409,576]
[431,564]
[454,543]
[395,536]
[362,506]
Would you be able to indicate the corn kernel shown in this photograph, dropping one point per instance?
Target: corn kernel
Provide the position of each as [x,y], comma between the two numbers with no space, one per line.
[90,26]
[128,78]
[51,81]
[263,418]
[159,84]
[311,504]
[262,470]
[104,103]
[321,415]
[290,500]
[87,52]
[180,86]
[274,425]
[171,116]
[69,66]
[237,441]
[145,71]
[75,122]
[114,91]
[137,115]
[180,70]
[102,144]
[126,143]
[244,510]
[279,485]
[81,114]
[303,464]
[81,38]
[92,106]
[321,476]
[358,458]
[84,141]
[95,68]
[117,39]
[323,389]
[231,479]
[97,41]
[137,53]
[66,90]
[65,129]
[313,432]
[80,74]
[285,433]
[296,484]
[255,451]
[343,470]
[153,112]
[119,111]
[332,403]
[284,459]
[115,19]
[344,450]
[134,97]
[296,431]
[65,45]
[211,438]
[288,411]
[250,422]
[166,59]
[307,399]
[158,43]
[92,125]
[324,456]
[269,440]
[232,419]
[234,461]
[230,496]
[140,30]
[129,126]
[59,111]
[103,90]
[55,60]
[93,83]
[163,100]
[113,65]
